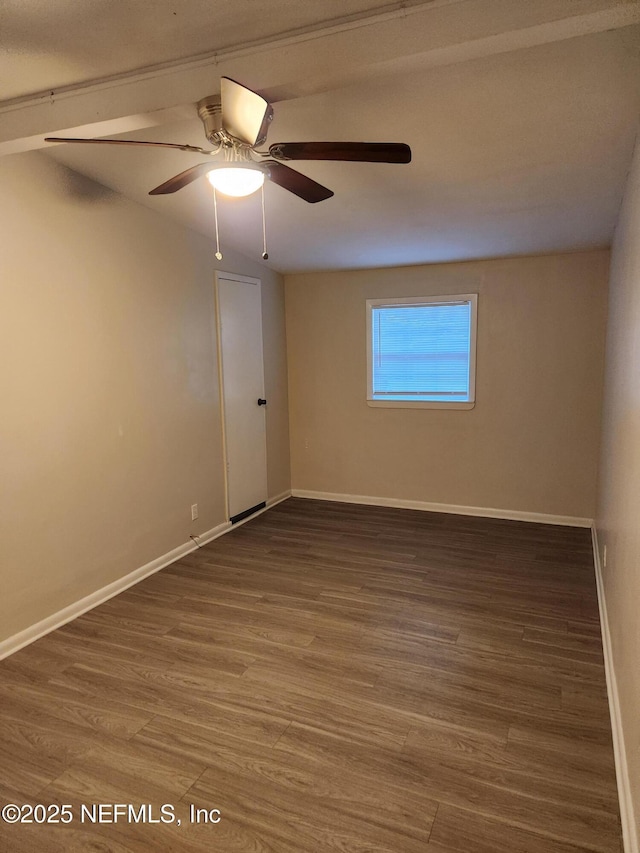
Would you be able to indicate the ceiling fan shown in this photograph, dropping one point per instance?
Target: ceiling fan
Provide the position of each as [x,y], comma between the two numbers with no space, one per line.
[236,123]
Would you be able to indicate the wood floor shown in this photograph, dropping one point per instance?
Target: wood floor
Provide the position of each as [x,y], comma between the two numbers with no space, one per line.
[329,677]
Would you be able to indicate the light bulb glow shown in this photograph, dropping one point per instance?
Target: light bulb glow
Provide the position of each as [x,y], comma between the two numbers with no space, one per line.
[236,181]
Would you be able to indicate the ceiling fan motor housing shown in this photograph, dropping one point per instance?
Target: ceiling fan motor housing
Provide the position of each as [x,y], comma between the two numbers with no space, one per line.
[210,112]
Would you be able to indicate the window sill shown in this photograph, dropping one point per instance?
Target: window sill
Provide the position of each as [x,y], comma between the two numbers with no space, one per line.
[418,404]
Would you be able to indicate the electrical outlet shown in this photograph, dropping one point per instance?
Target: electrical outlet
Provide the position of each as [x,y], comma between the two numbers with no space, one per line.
[604,557]
[194,512]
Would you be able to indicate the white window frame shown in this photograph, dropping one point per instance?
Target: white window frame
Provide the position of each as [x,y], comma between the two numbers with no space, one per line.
[448,299]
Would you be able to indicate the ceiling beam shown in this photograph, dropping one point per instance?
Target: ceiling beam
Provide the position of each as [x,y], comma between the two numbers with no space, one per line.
[416,37]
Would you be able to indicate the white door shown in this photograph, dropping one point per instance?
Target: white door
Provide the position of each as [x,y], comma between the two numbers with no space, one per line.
[239,317]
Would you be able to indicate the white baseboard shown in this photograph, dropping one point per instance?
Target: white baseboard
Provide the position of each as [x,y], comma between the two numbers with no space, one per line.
[203,538]
[271,502]
[67,614]
[454,509]
[278,498]
[627,817]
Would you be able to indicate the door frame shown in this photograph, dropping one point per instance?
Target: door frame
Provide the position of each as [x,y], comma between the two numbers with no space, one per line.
[243,279]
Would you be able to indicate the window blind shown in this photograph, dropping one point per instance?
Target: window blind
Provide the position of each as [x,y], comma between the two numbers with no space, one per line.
[421,352]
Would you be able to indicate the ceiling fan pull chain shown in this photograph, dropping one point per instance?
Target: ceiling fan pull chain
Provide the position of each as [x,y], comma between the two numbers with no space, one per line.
[215,216]
[265,254]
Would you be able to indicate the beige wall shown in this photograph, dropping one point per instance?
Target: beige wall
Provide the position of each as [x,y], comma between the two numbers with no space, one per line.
[110,423]
[618,517]
[531,442]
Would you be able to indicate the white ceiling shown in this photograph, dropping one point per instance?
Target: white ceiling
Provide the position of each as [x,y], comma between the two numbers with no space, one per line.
[521,115]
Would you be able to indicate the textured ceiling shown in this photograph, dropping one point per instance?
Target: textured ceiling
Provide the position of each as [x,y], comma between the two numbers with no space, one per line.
[521,121]
[49,44]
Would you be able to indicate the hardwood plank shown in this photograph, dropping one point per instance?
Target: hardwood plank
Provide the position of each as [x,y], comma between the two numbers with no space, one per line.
[457,830]
[349,816]
[53,705]
[27,770]
[585,764]
[251,638]
[126,773]
[182,695]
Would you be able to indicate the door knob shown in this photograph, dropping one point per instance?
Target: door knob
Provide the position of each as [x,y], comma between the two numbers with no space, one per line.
[261,402]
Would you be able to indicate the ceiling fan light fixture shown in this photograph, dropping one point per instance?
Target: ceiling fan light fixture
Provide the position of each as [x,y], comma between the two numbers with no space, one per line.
[236,181]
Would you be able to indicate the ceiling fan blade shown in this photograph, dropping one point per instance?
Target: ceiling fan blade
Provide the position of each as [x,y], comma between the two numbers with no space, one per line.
[245,114]
[297,183]
[193,148]
[363,152]
[177,182]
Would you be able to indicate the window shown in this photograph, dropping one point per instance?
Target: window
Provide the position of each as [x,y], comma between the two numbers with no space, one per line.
[421,352]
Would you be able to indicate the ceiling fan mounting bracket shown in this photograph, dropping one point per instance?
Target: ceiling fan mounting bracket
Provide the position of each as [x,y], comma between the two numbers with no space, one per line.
[210,112]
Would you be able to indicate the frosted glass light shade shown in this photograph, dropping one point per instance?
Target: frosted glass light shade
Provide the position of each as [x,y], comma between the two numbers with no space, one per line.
[236,180]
